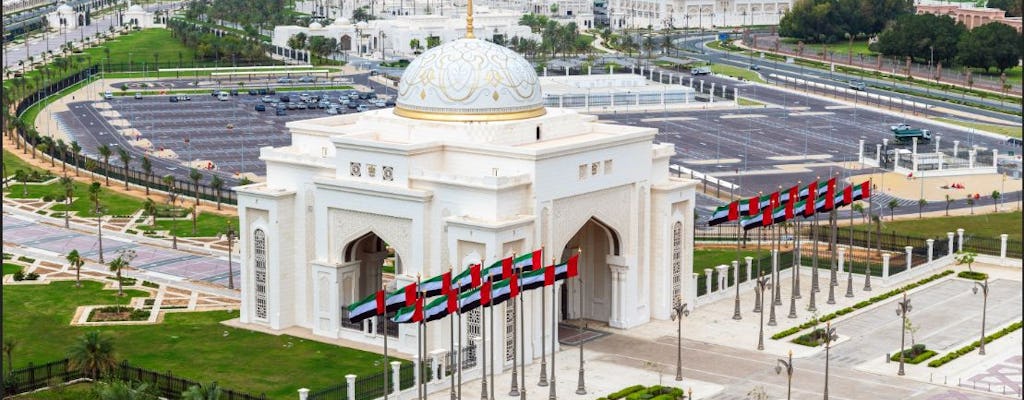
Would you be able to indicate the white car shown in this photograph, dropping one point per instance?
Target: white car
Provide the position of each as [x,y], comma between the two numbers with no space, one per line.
[108,95]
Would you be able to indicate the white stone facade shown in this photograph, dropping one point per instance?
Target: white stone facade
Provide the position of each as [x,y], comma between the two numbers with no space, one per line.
[660,14]
[65,17]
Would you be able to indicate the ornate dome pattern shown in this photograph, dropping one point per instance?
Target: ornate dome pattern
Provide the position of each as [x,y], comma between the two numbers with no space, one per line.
[469,80]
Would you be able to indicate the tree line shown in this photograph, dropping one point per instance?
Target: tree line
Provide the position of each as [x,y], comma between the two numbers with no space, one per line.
[209,46]
[829,21]
[258,13]
[556,38]
[939,39]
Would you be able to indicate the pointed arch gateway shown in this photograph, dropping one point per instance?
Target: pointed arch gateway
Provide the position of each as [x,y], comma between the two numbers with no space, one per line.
[598,241]
[368,264]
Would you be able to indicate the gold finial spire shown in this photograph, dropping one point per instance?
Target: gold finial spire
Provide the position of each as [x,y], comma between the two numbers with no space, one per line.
[469,20]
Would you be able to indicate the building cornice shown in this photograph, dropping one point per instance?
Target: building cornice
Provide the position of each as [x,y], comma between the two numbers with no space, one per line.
[373,190]
[491,225]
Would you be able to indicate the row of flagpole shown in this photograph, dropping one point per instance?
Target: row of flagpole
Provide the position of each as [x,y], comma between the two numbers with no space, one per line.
[473,288]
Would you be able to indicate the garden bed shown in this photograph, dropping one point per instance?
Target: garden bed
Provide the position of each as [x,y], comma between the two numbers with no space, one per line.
[114,313]
[812,339]
[978,276]
[914,355]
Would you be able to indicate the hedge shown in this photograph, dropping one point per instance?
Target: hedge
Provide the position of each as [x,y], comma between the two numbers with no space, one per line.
[640,392]
[914,355]
[862,304]
[974,345]
[978,276]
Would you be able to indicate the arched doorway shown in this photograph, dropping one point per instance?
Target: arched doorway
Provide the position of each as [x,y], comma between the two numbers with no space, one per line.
[369,264]
[597,241]
[345,43]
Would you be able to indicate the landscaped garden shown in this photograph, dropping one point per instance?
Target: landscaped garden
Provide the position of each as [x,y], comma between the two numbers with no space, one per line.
[914,355]
[981,225]
[193,345]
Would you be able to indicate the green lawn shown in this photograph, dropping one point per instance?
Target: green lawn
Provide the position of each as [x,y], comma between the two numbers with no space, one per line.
[711,258]
[983,225]
[140,46]
[12,163]
[115,203]
[736,72]
[207,225]
[78,391]
[190,345]
[1014,131]
[840,49]
[11,268]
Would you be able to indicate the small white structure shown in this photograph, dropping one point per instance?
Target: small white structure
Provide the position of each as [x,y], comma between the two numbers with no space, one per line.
[392,37]
[137,16]
[609,92]
[65,17]
[659,14]
[469,167]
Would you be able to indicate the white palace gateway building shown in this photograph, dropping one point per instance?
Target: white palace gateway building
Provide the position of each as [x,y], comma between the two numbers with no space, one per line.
[468,167]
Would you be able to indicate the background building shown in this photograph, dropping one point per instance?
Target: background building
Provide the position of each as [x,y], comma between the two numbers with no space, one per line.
[661,14]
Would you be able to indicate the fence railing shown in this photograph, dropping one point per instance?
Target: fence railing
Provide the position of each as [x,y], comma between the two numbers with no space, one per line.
[164,384]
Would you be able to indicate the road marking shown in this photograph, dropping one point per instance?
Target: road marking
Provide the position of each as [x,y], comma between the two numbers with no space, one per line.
[712,161]
[733,116]
[668,119]
[810,113]
[800,157]
[838,107]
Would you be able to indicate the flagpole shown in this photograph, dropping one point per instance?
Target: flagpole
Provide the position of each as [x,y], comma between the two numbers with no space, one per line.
[493,382]
[814,251]
[736,310]
[775,257]
[451,343]
[775,268]
[423,351]
[554,333]
[543,352]
[483,338]
[515,371]
[522,341]
[581,387]
[849,269]
[757,289]
[384,322]
[867,246]
[458,353]
[797,261]
[833,217]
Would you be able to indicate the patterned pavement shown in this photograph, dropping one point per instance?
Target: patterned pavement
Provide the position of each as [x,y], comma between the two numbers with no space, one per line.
[168,263]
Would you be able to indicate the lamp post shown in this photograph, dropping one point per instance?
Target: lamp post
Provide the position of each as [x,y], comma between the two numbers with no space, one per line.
[984,309]
[678,312]
[902,309]
[762,281]
[788,365]
[830,336]
[231,274]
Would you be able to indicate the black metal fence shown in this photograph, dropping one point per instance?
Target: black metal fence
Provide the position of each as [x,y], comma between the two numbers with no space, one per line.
[371,386]
[165,384]
[138,177]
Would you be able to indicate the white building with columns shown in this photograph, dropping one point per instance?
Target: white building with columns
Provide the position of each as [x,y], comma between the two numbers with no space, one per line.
[660,14]
[468,167]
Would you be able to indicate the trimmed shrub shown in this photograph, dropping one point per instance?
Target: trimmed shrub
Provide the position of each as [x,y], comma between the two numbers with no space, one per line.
[625,392]
[978,276]
[974,345]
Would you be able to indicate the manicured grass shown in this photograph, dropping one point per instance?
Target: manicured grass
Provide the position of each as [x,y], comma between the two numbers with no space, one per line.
[747,102]
[140,46]
[12,164]
[1013,131]
[207,225]
[11,268]
[190,345]
[983,225]
[736,72]
[839,49]
[711,258]
[114,203]
[78,391]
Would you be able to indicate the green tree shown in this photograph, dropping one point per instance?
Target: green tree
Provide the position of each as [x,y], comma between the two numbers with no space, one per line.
[208,391]
[433,41]
[991,45]
[415,45]
[920,206]
[68,185]
[924,37]
[123,390]
[76,261]
[147,168]
[149,206]
[22,176]
[123,260]
[9,345]
[892,209]
[965,257]
[1012,7]
[949,200]
[105,152]
[995,199]
[94,195]
[92,354]
[362,14]
[217,184]
[76,152]
[125,158]
[297,41]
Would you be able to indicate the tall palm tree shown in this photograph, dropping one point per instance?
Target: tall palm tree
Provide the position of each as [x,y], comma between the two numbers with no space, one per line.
[22,176]
[195,176]
[94,196]
[124,390]
[62,149]
[920,206]
[90,165]
[105,152]
[76,261]
[171,197]
[147,167]
[126,158]
[892,209]
[92,354]
[949,200]
[9,345]
[150,207]
[123,260]
[69,192]
[76,150]
[217,184]
[209,391]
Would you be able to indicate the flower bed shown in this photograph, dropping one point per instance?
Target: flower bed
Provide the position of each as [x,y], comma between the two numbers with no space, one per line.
[978,276]
[862,304]
[969,348]
[914,355]
[811,339]
[640,392]
[114,313]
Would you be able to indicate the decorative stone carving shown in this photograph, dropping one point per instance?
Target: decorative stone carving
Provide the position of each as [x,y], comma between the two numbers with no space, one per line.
[348,225]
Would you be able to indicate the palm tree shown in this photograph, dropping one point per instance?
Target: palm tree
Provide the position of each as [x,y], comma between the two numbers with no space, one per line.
[217,184]
[124,390]
[949,200]
[9,345]
[920,206]
[94,196]
[195,176]
[859,208]
[126,158]
[76,151]
[995,199]
[147,167]
[69,192]
[90,165]
[22,176]
[92,354]
[208,391]
[171,196]
[62,148]
[76,261]
[892,209]
[121,262]
[105,153]
[970,202]
[878,234]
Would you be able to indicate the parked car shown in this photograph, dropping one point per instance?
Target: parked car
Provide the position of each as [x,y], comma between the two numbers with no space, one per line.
[292,106]
[285,98]
[389,103]
[284,80]
[352,105]
[233,92]
[261,107]
[223,96]
[108,95]
[267,99]
[323,104]
[307,79]
[173,99]
[280,111]
[332,110]
[351,96]
[363,107]
[138,95]
[186,98]
[302,106]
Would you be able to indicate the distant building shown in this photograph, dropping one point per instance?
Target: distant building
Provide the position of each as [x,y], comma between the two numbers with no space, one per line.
[972,17]
[65,17]
[661,14]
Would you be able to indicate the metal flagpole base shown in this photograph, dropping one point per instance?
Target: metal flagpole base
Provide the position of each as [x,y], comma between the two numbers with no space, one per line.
[792,307]
[736,312]
[831,294]
[581,387]
[849,284]
[867,280]
[757,300]
[543,374]
[514,392]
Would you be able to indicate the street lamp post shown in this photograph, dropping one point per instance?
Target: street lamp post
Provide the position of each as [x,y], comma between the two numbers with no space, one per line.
[830,336]
[788,365]
[231,274]
[678,312]
[902,309]
[984,309]
[762,281]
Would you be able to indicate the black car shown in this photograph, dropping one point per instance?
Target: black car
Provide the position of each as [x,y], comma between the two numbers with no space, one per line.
[234,92]
[389,103]
[286,99]
[173,99]
[280,111]
[253,92]
[260,107]
[352,105]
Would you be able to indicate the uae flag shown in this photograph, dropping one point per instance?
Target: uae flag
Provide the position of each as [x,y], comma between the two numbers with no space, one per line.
[504,290]
[563,271]
[472,299]
[501,269]
[438,285]
[860,192]
[803,208]
[773,200]
[839,199]
[757,221]
[404,297]
[726,213]
[410,314]
[372,305]
[467,279]
[810,190]
[809,200]
[440,307]
[751,206]
[791,195]
[783,212]
[823,204]
[531,280]
[528,262]
[829,196]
